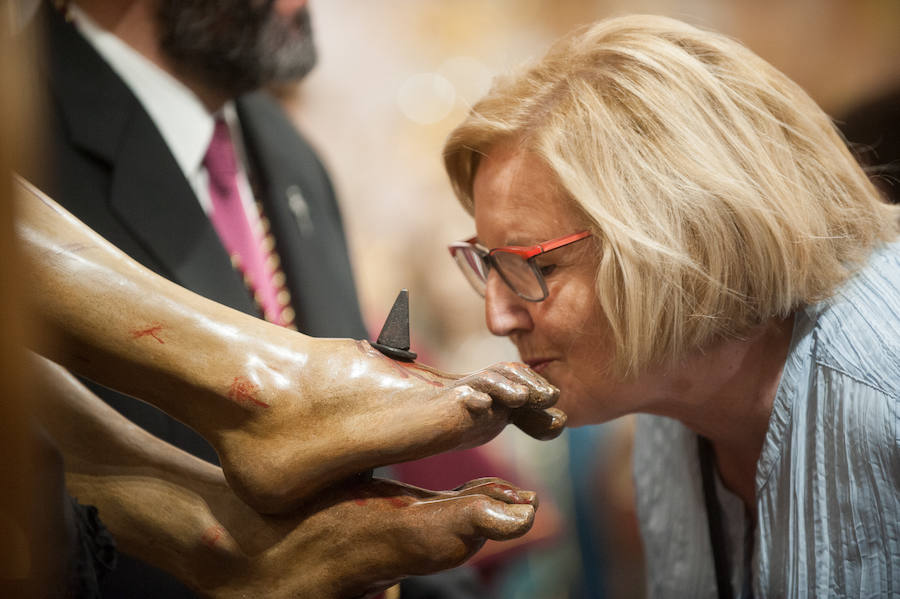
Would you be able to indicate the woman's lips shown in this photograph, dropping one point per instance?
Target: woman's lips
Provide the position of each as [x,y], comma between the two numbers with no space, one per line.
[539,364]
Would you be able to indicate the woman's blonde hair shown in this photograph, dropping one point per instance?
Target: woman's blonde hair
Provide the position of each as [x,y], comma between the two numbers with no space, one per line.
[720,193]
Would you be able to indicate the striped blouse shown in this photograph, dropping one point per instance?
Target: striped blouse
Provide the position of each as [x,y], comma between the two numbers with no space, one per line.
[828,477]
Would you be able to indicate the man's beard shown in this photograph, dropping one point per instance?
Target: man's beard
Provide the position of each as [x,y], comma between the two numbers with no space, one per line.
[236,46]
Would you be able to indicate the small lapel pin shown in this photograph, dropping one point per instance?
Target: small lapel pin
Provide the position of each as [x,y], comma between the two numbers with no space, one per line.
[300,209]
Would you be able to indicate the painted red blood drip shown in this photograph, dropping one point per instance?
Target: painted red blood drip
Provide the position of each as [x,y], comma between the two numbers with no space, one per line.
[432,382]
[152,331]
[212,535]
[404,369]
[77,246]
[242,391]
[415,366]
[510,493]
[398,501]
[400,370]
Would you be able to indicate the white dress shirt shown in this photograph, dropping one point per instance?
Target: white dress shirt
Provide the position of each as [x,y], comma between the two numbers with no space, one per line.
[185,124]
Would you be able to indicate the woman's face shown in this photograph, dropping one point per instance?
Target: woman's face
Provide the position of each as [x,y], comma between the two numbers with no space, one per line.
[565,337]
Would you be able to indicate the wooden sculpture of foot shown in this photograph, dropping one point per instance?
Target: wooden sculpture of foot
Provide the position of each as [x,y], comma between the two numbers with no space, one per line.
[177,512]
[288,414]
[381,411]
[359,539]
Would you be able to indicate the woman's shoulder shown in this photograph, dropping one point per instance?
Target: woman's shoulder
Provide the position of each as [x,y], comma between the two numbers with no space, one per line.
[857,331]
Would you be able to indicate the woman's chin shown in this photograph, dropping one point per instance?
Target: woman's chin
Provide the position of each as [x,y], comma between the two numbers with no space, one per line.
[582,410]
[576,411]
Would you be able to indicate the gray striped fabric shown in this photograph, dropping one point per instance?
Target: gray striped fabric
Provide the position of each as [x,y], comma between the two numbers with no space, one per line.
[828,478]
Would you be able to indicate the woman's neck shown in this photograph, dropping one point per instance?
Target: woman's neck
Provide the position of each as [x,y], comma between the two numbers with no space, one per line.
[726,395]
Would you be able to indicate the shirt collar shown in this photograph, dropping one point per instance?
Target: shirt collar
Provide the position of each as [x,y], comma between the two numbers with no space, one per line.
[181,118]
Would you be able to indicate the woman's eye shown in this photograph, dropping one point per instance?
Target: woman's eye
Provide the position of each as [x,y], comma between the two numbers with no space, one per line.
[547,269]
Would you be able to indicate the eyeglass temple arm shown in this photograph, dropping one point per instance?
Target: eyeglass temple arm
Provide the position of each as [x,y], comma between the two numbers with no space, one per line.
[557,243]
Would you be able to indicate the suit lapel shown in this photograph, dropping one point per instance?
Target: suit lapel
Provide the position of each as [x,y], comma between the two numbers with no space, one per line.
[298,198]
[148,192]
[152,198]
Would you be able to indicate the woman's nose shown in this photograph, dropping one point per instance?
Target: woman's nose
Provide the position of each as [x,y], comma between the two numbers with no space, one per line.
[504,311]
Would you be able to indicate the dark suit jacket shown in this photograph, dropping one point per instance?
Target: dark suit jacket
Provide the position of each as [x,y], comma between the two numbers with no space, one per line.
[107,164]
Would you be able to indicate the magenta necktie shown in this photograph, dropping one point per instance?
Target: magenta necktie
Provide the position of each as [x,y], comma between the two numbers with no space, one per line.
[245,245]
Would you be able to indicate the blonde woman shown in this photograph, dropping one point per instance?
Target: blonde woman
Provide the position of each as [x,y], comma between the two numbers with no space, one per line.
[667,225]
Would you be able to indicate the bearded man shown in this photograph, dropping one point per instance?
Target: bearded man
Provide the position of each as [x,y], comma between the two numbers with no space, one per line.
[156,117]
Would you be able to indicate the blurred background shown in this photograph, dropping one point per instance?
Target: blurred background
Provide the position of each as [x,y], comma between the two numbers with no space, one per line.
[394,78]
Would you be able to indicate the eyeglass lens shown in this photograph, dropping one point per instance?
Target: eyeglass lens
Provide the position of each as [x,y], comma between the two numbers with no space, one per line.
[516,272]
[471,262]
[519,275]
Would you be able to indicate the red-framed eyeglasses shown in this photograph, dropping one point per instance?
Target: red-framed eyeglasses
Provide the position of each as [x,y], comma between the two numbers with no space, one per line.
[515,264]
